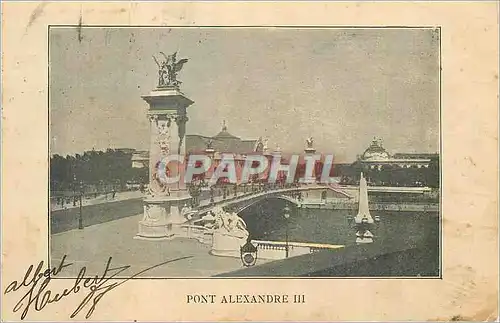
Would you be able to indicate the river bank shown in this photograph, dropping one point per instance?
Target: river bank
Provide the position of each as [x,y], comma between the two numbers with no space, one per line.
[376,206]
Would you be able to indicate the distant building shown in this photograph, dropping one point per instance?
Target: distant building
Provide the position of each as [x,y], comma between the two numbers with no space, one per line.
[140,159]
[376,157]
[415,156]
[223,145]
[401,169]
[125,150]
[223,142]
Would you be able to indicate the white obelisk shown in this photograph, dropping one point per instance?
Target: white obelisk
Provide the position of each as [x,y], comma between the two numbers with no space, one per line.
[363,219]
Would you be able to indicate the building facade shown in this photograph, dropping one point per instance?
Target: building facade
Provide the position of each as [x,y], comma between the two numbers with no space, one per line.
[399,170]
[140,159]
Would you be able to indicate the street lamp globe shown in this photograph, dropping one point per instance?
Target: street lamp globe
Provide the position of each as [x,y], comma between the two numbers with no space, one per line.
[286,212]
[286,215]
[248,253]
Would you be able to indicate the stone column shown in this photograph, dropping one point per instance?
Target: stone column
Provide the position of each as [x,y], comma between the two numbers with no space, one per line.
[162,206]
[310,151]
[178,144]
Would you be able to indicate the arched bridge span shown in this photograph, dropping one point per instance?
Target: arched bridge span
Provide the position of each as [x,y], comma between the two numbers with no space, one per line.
[241,202]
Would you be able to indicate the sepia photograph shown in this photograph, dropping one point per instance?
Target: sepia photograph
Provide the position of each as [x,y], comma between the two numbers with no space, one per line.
[245,152]
[249,161]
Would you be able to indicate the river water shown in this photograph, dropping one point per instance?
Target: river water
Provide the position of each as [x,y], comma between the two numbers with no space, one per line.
[266,222]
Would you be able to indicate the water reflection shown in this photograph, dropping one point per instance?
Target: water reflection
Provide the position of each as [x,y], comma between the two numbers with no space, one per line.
[265,221]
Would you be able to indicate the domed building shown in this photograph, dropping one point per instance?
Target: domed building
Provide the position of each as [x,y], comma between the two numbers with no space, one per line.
[401,169]
[375,152]
[223,142]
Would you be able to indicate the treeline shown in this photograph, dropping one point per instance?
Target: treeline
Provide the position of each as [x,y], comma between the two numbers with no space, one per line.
[97,170]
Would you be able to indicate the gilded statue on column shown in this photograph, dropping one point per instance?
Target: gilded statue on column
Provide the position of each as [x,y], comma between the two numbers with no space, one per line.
[168,69]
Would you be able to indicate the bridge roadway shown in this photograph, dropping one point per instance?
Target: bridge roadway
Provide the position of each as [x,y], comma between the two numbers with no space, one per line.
[238,201]
[247,195]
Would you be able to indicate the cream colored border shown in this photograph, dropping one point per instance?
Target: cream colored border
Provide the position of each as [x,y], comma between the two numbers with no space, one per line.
[469,125]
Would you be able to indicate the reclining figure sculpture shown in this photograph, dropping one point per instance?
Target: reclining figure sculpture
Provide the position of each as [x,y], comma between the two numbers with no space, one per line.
[229,224]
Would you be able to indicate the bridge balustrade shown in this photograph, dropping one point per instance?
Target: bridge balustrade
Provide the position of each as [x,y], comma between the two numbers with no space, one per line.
[276,250]
[197,232]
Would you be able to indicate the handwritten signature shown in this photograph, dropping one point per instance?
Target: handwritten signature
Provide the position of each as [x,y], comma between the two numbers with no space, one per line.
[39,295]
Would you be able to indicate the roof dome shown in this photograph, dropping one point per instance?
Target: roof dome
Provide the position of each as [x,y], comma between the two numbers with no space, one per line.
[375,151]
[224,133]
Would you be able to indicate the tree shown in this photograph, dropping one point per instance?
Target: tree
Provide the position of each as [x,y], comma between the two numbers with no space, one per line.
[95,168]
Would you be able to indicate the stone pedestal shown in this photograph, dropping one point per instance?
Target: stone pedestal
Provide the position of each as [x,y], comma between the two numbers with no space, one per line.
[310,150]
[163,203]
[226,245]
[162,217]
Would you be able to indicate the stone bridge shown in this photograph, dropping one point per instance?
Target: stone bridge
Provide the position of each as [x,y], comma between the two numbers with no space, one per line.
[240,201]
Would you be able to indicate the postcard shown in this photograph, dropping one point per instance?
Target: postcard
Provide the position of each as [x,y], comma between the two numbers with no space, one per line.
[215,161]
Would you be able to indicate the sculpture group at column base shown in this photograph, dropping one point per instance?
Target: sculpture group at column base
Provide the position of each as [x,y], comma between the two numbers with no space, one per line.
[166,218]
[162,218]
[229,234]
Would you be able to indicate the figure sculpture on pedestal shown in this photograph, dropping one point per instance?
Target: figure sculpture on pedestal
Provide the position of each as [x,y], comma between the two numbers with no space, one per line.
[310,142]
[229,223]
[259,145]
[229,233]
[187,212]
[168,69]
[210,144]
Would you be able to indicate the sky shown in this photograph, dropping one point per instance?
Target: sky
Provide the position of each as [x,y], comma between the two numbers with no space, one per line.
[340,86]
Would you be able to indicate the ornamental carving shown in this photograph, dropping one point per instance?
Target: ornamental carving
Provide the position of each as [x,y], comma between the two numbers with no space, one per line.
[163,136]
[229,223]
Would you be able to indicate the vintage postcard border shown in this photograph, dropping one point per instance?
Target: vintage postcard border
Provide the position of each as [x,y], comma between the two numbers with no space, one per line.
[441,240]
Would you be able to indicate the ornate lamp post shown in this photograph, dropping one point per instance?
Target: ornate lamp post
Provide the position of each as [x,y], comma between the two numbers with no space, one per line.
[195,190]
[248,253]
[74,189]
[211,194]
[286,215]
[80,215]
[116,187]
